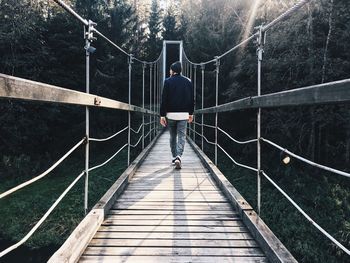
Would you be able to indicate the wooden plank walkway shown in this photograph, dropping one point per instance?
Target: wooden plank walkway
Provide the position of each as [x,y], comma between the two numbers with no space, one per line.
[168,215]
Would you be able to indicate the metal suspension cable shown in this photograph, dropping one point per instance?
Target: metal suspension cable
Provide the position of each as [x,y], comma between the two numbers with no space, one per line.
[134,145]
[108,160]
[139,129]
[237,163]
[108,138]
[8,192]
[205,138]
[149,133]
[265,28]
[347,251]
[205,125]
[37,225]
[150,62]
[236,141]
[306,160]
[148,123]
[86,23]
[285,15]
[111,42]
[71,11]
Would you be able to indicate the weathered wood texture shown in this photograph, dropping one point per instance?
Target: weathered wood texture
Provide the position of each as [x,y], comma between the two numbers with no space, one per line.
[23,89]
[168,215]
[332,92]
[76,243]
[269,243]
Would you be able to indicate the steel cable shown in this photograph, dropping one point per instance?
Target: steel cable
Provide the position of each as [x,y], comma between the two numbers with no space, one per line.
[139,129]
[237,163]
[108,138]
[37,225]
[329,169]
[108,160]
[236,141]
[347,251]
[205,138]
[134,145]
[14,189]
[280,18]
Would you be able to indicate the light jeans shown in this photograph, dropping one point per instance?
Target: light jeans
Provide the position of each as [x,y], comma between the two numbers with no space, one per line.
[177,136]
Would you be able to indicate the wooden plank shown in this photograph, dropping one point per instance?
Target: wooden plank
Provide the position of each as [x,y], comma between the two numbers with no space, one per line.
[172,222]
[185,207]
[175,251]
[271,245]
[75,245]
[266,238]
[331,92]
[169,169]
[172,259]
[172,243]
[162,165]
[161,194]
[183,199]
[189,229]
[173,188]
[129,212]
[18,88]
[171,205]
[173,216]
[174,235]
[109,198]
[172,180]
[182,173]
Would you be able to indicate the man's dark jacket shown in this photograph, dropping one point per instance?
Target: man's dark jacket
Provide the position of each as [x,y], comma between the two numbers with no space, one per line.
[177,95]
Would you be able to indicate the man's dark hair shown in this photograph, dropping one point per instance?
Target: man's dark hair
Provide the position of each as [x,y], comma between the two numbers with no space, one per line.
[176,67]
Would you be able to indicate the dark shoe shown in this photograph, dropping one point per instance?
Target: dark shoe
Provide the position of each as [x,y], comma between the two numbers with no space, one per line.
[178,162]
[173,161]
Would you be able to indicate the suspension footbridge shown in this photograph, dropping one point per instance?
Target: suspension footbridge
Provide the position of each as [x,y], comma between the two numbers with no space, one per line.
[154,213]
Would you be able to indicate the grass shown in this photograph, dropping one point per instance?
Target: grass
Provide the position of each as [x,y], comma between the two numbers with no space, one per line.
[325,198]
[23,209]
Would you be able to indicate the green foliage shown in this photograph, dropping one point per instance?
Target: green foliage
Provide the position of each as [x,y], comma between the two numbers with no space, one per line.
[169,25]
[154,27]
[39,41]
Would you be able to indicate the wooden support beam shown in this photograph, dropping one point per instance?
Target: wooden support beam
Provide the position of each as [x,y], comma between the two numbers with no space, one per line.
[328,93]
[23,89]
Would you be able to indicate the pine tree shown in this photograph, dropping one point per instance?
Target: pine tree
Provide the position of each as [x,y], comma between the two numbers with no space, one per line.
[169,25]
[154,27]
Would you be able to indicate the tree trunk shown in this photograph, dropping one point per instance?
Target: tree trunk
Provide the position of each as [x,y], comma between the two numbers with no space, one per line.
[347,152]
[330,29]
[311,147]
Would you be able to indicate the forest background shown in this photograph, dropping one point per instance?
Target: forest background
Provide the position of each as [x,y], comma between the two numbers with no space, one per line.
[40,41]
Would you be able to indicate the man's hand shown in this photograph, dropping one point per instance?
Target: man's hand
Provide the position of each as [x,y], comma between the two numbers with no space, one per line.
[163,121]
[190,118]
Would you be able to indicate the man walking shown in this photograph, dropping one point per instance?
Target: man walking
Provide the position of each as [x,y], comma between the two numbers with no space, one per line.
[176,110]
